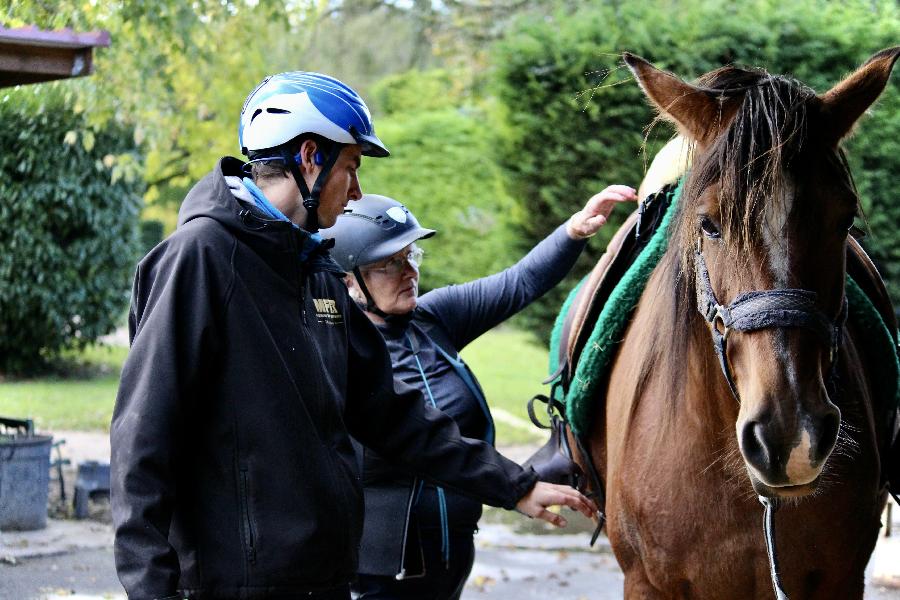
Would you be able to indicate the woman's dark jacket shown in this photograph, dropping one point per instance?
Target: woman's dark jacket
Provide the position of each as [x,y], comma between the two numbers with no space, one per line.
[447,318]
[233,472]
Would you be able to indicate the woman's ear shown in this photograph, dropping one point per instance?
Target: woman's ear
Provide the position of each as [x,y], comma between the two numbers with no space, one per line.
[353,288]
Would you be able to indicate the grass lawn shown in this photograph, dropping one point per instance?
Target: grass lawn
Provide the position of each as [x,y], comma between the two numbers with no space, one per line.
[508,363]
[510,366]
[81,402]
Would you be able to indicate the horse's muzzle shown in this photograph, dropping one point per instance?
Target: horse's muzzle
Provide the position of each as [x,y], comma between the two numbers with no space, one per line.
[789,464]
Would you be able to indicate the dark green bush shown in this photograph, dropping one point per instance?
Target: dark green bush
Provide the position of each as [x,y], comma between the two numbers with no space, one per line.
[442,168]
[69,203]
[567,136]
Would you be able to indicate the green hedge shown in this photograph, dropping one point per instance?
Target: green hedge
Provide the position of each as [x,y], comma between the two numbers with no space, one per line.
[568,133]
[442,168]
[69,203]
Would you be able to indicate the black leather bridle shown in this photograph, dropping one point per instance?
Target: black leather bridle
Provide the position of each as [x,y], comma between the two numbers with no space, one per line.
[766,309]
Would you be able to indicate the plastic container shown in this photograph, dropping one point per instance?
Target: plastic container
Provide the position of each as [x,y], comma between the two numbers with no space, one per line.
[24,481]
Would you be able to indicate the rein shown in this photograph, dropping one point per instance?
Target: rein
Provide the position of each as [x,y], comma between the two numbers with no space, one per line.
[769,529]
[752,311]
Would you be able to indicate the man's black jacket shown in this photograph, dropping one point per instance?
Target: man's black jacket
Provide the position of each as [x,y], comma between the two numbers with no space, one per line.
[233,473]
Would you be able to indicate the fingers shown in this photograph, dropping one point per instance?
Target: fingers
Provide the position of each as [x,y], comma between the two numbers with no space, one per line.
[575,500]
[545,495]
[593,216]
[603,202]
[552,518]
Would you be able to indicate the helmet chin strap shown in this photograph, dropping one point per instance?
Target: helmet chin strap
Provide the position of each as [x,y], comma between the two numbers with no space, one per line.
[370,301]
[311,197]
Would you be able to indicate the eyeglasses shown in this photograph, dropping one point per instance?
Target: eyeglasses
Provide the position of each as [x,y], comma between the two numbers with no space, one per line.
[397,264]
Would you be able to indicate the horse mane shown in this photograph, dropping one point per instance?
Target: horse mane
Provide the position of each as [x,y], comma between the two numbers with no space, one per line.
[749,158]
[747,161]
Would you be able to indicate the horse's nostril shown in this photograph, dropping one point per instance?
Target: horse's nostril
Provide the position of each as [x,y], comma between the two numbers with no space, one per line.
[831,423]
[754,447]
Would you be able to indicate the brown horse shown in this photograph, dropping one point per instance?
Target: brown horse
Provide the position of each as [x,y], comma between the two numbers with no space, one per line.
[767,204]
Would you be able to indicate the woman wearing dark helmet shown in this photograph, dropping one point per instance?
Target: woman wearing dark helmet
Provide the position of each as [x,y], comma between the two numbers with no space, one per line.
[417,538]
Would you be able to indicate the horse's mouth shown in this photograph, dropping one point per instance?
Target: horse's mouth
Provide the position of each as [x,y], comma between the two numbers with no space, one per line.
[784,491]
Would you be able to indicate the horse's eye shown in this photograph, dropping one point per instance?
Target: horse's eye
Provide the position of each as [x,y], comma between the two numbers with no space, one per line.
[709,228]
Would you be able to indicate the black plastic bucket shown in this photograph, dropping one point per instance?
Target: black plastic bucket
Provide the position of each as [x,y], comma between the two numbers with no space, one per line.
[24,481]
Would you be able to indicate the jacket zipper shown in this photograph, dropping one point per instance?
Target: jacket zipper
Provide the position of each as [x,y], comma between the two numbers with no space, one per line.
[303,274]
[401,574]
[248,524]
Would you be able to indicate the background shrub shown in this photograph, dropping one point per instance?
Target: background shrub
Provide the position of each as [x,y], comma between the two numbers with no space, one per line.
[69,203]
[573,121]
[442,166]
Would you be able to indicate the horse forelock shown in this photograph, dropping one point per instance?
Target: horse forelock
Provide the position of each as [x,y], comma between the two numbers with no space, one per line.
[751,159]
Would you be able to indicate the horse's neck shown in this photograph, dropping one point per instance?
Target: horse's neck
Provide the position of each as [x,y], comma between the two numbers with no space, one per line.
[683,360]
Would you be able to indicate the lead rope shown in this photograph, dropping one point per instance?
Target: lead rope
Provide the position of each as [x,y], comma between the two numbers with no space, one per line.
[769,529]
[442,499]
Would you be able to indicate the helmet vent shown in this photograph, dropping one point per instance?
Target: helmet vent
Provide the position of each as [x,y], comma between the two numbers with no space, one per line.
[256,113]
[278,111]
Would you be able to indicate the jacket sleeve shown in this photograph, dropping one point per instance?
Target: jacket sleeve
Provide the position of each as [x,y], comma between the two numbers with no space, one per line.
[171,324]
[396,423]
[470,309]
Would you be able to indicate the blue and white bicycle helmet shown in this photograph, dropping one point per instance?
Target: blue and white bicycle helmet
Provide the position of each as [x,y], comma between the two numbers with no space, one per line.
[287,105]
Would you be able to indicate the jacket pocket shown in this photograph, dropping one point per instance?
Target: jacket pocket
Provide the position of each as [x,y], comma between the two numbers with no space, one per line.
[248,530]
[350,495]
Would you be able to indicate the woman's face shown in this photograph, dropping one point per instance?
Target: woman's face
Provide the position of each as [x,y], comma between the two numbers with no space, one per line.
[394,281]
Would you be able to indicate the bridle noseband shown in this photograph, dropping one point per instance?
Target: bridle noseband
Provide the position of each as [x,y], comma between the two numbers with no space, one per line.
[752,311]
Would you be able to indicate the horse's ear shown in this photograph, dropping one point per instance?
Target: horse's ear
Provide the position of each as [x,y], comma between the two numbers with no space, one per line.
[845,103]
[697,114]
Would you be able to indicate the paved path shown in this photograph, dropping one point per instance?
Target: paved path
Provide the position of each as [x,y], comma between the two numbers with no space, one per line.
[509,566]
[517,559]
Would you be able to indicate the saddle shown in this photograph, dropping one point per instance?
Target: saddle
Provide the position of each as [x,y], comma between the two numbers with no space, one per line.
[623,249]
[555,461]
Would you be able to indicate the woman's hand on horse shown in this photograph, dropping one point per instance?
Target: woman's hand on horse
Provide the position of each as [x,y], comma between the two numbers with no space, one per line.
[587,221]
[544,495]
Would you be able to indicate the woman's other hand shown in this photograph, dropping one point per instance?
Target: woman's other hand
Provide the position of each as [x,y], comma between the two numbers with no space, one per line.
[587,221]
[544,495]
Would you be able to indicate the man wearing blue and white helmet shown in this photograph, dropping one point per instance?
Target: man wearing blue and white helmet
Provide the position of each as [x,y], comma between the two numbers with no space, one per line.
[233,472]
[309,130]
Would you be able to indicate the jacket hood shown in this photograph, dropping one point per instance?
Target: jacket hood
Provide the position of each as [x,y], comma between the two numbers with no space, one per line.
[211,197]
[232,206]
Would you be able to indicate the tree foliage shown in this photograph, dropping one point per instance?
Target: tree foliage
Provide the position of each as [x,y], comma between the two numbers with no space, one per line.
[178,72]
[442,166]
[574,121]
[71,195]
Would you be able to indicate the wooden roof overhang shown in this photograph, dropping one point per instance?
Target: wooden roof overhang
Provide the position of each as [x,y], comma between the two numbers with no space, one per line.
[30,55]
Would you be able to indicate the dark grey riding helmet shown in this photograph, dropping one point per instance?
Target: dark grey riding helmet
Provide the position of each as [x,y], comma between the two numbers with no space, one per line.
[372,229]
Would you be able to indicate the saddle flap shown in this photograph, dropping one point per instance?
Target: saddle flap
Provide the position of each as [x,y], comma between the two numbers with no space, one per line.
[861,268]
[621,252]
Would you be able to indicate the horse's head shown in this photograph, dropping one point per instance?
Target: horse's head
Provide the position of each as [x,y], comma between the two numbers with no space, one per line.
[767,208]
